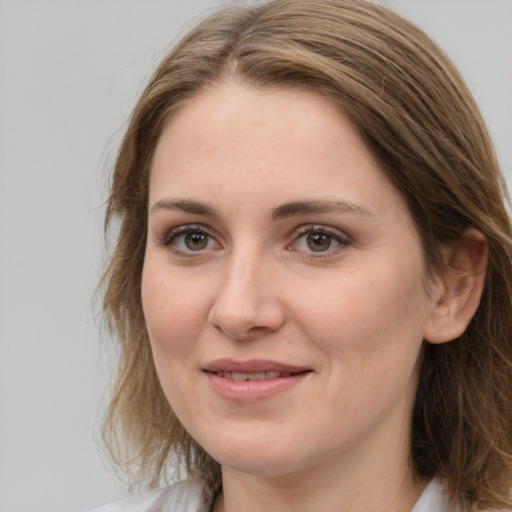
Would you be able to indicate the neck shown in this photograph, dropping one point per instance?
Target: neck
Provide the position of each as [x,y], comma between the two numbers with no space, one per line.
[332,495]
[380,479]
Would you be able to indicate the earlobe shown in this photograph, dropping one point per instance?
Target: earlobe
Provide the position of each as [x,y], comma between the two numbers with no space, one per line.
[459,290]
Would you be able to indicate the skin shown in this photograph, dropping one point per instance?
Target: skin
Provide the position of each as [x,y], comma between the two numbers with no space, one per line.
[354,314]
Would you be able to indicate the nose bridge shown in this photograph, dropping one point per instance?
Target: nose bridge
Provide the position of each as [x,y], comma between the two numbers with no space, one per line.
[246,302]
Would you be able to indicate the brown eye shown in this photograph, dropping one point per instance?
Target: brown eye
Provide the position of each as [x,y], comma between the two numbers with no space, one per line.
[189,239]
[196,240]
[319,242]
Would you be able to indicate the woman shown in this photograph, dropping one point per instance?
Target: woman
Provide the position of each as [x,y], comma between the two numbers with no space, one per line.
[312,280]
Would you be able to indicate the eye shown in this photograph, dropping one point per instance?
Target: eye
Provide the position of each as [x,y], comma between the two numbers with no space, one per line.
[190,239]
[196,241]
[321,240]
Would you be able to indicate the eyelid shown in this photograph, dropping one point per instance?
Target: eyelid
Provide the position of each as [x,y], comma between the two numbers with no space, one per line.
[170,236]
[339,236]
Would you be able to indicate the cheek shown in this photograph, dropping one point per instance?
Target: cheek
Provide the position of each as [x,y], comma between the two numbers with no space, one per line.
[174,312]
[369,329]
[367,321]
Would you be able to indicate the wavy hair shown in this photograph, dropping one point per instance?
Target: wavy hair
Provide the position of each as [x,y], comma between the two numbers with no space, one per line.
[419,119]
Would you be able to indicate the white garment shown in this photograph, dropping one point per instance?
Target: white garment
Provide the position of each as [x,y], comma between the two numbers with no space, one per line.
[432,499]
[181,497]
[186,497]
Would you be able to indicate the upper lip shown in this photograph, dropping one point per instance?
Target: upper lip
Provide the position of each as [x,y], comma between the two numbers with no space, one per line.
[252,366]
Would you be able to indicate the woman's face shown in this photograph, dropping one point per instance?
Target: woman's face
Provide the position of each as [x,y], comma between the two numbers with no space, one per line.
[283,284]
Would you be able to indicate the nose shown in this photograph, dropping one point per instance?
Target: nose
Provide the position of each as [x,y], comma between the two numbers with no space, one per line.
[246,305]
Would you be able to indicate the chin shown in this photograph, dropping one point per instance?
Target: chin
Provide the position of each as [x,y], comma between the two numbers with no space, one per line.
[257,464]
[263,457]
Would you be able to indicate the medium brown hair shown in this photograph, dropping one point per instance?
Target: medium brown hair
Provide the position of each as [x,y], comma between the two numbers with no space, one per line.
[418,118]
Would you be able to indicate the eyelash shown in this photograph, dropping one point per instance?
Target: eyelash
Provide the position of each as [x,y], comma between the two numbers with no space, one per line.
[172,238]
[313,229]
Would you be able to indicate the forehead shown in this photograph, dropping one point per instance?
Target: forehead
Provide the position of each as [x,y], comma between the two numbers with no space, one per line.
[267,143]
[257,119]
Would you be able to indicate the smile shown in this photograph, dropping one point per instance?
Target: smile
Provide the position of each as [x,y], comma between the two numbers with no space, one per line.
[248,382]
[240,377]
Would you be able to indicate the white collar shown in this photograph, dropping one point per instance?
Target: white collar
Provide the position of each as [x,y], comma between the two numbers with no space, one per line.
[187,497]
[432,499]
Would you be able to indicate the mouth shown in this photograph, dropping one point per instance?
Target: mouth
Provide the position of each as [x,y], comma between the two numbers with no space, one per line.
[254,369]
[252,381]
[240,376]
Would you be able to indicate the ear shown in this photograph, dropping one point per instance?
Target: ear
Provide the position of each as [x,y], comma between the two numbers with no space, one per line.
[457,293]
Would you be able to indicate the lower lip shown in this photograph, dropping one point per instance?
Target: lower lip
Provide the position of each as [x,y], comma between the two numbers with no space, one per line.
[251,391]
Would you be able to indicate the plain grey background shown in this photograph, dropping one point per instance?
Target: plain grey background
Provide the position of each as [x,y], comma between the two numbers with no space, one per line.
[70,72]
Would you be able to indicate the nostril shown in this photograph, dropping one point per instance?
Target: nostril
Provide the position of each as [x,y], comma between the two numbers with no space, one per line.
[240,333]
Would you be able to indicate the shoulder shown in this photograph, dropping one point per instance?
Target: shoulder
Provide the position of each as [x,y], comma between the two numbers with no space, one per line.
[181,497]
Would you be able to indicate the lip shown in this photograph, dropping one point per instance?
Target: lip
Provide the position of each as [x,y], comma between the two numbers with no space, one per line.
[252,391]
[252,366]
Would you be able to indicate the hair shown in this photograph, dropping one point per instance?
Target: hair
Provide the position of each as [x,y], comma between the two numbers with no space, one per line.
[417,116]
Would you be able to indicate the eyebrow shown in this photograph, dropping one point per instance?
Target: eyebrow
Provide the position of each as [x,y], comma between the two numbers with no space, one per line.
[185,205]
[307,207]
[284,211]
